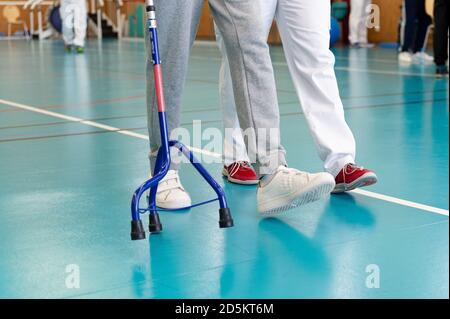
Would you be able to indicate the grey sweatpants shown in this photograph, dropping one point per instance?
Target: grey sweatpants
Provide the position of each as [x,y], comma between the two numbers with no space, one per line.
[250,66]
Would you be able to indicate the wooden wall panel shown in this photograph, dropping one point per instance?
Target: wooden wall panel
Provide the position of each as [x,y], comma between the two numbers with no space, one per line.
[388,32]
[390,12]
[206,27]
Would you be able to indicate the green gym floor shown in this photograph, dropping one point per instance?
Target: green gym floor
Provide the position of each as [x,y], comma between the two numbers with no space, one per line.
[67,173]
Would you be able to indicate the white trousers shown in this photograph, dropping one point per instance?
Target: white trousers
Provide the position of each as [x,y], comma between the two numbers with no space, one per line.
[74,20]
[304,27]
[357,22]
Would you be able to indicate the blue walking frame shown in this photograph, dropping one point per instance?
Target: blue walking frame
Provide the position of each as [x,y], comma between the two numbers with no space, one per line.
[163,158]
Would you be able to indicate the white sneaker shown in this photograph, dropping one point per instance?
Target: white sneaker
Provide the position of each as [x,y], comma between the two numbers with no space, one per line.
[423,57]
[171,194]
[405,57]
[290,188]
[366,45]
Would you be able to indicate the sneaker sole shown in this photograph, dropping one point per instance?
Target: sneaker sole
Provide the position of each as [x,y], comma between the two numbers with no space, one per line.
[239,181]
[365,180]
[312,195]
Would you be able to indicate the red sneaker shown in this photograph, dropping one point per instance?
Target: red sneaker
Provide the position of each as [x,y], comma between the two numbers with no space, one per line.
[240,173]
[352,176]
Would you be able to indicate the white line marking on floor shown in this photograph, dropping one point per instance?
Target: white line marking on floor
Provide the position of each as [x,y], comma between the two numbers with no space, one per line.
[382,197]
[385,72]
[402,202]
[402,73]
[94,124]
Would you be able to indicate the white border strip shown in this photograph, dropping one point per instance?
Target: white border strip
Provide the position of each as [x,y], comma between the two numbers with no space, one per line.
[385,198]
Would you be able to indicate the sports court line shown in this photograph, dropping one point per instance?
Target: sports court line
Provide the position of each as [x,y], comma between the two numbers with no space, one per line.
[213,47]
[94,124]
[382,197]
[67,122]
[42,137]
[342,97]
[99,102]
[342,68]
[353,108]
[384,72]
[402,202]
[90,104]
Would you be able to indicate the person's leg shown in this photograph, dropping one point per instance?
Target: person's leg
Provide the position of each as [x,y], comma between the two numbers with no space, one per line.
[304,26]
[410,7]
[363,39]
[237,164]
[253,79]
[357,13]
[234,149]
[80,23]
[423,22]
[280,188]
[233,143]
[440,32]
[177,27]
[440,41]
[67,18]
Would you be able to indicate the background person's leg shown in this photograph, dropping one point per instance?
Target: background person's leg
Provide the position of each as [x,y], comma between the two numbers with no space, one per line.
[67,16]
[234,148]
[177,27]
[363,38]
[410,7]
[423,22]
[441,29]
[253,79]
[304,27]
[80,23]
[357,13]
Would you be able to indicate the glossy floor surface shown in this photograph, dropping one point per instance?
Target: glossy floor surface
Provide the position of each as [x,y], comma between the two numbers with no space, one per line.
[66,185]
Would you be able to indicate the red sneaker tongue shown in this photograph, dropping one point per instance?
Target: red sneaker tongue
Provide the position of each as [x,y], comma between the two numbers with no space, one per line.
[243,165]
[350,168]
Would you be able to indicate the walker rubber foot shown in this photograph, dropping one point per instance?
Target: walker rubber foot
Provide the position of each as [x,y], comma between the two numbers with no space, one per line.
[154,225]
[137,230]
[225,220]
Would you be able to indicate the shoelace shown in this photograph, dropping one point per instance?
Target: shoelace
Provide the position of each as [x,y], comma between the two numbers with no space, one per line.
[235,167]
[353,168]
[289,170]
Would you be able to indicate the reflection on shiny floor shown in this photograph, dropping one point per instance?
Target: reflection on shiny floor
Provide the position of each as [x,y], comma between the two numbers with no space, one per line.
[65,186]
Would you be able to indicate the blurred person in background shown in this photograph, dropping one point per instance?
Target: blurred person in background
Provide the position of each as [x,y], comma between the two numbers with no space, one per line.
[415,23]
[440,40]
[359,13]
[74,23]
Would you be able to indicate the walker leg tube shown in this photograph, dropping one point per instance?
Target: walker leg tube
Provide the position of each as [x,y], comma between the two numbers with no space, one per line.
[164,161]
[154,224]
[225,219]
[137,229]
[158,168]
